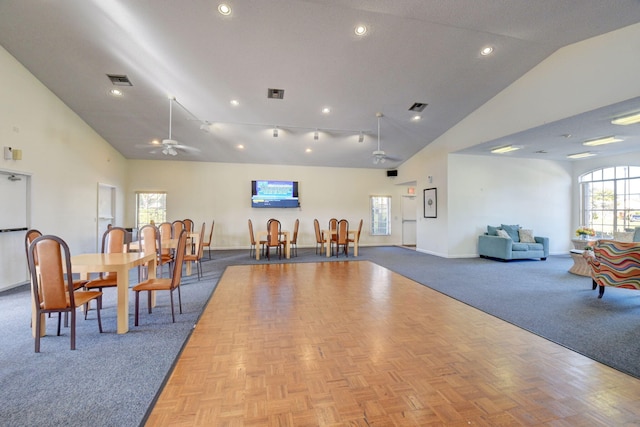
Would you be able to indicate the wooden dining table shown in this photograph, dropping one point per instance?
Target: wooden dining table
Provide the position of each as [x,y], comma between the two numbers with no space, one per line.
[119,263]
[326,234]
[262,235]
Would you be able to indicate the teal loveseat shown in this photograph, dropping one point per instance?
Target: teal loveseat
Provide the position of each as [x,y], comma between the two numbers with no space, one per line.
[509,242]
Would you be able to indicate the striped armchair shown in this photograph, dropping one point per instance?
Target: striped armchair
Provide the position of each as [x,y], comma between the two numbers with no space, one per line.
[614,263]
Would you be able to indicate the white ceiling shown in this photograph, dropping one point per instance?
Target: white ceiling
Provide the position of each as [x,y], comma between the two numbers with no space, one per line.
[414,51]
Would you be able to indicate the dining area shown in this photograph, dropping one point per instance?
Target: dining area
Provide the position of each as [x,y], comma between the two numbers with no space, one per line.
[63,283]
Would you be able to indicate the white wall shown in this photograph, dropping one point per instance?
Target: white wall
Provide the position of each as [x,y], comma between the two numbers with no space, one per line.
[222,192]
[578,78]
[65,158]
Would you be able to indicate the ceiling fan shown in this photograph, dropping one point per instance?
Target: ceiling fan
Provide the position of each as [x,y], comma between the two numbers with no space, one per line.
[169,146]
[380,156]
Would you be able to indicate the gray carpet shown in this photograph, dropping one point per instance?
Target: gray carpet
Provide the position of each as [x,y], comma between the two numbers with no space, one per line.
[111,380]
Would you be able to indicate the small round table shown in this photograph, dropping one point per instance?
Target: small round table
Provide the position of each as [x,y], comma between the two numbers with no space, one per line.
[580,265]
[579,244]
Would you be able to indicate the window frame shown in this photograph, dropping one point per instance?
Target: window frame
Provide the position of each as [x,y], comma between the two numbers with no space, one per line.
[157,219]
[375,208]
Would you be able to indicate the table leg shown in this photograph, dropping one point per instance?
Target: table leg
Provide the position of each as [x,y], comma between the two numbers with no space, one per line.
[123,298]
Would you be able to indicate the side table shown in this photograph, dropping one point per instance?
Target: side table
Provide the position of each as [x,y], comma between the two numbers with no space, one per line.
[580,265]
[579,244]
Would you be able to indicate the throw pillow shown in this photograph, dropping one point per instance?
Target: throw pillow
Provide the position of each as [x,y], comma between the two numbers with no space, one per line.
[526,236]
[512,230]
[501,233]
[492,231]
[623,236]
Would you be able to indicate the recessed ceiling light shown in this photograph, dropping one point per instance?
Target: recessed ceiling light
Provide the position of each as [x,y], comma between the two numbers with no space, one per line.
[326,110]
[486,51]
[308,150]
[155,142]
[602,141]
[116,92]
[627,120]
[416,118]
[224,9]
[234,102]
[360,30]
[240,147]
[580,155]
[506,149]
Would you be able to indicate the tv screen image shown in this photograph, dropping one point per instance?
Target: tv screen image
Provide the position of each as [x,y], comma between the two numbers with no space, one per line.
[274,194]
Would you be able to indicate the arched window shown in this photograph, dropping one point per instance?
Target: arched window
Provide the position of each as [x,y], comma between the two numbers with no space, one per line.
[610,199]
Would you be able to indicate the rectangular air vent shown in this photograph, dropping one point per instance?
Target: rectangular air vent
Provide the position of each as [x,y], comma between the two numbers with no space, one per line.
[119,79]
[418,106]
[275,93]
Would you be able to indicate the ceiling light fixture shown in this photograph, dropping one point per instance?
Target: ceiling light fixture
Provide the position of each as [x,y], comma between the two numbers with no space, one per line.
[326,110]
[315,135]
[361,137]
[627,120]
[602,141]
[580,155]
[360,30]
[224,9]
[416,118]
[116,92]
[308,150]
[486,51]
[505,149]
[234,102]
[275,132]
[169,150]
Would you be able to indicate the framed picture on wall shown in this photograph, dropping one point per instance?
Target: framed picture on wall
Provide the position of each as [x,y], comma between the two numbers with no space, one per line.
[430,203]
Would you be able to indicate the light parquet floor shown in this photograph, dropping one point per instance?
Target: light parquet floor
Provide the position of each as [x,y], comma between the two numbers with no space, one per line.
[354,344]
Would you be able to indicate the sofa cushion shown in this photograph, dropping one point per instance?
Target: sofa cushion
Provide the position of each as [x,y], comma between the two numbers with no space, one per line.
[492,231]
[623,236]
[520,247]
[535,246]
[526,236]
[501,233]
[512,230]
[636,235]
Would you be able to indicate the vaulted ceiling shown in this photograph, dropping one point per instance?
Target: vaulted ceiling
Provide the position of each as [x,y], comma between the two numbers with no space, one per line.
[414,51]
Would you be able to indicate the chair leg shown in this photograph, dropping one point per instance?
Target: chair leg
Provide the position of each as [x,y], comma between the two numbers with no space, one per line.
[149,301]
[179,300]
[73,329]
[59,319]
[173,315]
[38,323]
[137,307]
[99,318]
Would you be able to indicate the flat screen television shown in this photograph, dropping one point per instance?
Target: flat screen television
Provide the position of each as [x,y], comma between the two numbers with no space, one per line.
[274,194]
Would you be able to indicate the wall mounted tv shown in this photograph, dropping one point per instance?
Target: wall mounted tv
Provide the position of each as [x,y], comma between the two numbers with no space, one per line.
[274,194]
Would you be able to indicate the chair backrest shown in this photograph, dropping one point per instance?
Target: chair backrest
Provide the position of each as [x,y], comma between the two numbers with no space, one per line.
[149,239]
[50,288]
[31,235]
[294,240]
[166,233]
[359,230]
[273,238]
[333,224]
[316,226]
[113,240]
[176,227]
[188,225]
[213,222]
[253,239]
[200,250]
[343,231]
[179,260]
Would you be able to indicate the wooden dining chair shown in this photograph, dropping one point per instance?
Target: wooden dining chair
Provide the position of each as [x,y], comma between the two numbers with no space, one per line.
[53,290]
[333,226]
[293,243]
[254,244]
[273,238]
[319,236]
[356,238]
[166,254]
[113,241]
[207,244]
[148,242]
[162,284]
[196,256]
[188,225]
[342,237]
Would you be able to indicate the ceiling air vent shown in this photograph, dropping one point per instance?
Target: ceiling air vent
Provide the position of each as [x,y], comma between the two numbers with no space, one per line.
[418,107]
[275,93]
[119,79]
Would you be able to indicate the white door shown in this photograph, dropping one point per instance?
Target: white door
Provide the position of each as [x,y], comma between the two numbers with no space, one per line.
[409,228]
[14,221]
